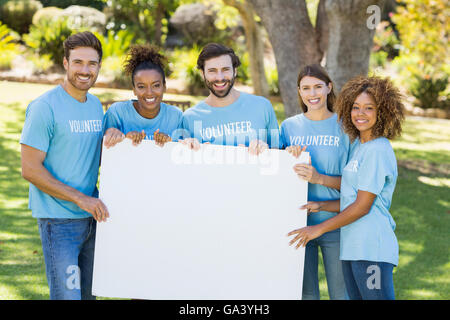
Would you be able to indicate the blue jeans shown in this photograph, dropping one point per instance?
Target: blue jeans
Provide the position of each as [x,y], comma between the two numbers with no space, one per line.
[369,280]
[329,243]
[68,247]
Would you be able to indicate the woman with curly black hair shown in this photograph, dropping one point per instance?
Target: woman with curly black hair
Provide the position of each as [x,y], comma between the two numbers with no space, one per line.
[371,112]
[147,117]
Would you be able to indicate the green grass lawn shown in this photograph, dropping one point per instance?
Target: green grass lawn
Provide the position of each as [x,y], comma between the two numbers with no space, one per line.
[421,204]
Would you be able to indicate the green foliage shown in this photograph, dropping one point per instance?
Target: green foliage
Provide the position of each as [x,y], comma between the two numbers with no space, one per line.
[184,66]
[18,14]
[48,37]
[424,29]
[115,43]
[141,17]
[430,92]
[8,47]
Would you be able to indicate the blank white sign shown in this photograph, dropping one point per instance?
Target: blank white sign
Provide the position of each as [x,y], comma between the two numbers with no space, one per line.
[209,224]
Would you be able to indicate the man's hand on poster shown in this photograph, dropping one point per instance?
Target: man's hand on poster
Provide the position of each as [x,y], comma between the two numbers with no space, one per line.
[191,143]
[257,147]
[94,206]
[112,137]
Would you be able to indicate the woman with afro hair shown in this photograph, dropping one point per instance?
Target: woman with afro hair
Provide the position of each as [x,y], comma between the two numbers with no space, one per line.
[146,117]
[371,112]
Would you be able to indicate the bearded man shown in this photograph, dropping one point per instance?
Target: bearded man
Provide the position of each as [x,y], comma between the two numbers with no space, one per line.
[228,116]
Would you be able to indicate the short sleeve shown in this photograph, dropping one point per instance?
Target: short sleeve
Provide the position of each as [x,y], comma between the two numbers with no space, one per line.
[111,120]
[374,171]
[38,128]
[283,143]
[273,129]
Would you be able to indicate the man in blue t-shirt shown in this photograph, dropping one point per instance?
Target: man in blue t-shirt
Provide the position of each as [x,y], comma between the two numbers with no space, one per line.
[228,116]
[60,146]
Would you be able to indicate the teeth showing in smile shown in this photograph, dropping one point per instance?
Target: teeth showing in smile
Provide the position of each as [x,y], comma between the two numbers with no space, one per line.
[220,86]
[83,78]
[361,121]
[150,100]
[314,100]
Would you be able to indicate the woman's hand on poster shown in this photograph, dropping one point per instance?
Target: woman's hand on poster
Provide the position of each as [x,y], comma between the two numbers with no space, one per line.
[304,235]
[112,137]
[296,151]
[161,138]
[307,172]
[311,206]
[136,137]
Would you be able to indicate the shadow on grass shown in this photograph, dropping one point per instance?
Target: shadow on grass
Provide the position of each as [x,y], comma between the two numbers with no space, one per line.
[423,220]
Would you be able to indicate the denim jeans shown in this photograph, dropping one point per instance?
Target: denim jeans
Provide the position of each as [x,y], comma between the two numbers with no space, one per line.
[68,247]
[368,280]
[329,243]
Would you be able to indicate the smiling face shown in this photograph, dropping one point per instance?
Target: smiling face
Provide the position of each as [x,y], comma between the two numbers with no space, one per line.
[364,115]
[82,68]
[149,89]
[219,75]
[314,92]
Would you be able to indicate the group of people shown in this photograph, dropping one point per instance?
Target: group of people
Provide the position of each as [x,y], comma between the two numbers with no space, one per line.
[352,172]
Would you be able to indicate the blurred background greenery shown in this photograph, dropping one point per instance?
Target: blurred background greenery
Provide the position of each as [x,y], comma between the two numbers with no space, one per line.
[410,44]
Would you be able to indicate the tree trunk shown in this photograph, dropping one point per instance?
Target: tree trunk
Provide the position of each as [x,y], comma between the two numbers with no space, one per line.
[254,44]
[342,33]
[159,15]
[294,43]
[350,39]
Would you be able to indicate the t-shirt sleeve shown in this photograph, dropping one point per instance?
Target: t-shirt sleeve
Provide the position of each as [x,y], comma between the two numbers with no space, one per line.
[374,171]
[38,128]
[185,128]
[273,137]
[111,120]
[283,138]
[178,133]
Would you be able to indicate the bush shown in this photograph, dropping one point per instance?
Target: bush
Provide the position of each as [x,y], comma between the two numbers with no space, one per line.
[48,37]
[46,13]
[115,43]
[8,47]
[18,14]
[430,92]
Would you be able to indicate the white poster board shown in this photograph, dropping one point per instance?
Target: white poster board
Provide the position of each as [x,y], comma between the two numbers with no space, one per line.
[199,225]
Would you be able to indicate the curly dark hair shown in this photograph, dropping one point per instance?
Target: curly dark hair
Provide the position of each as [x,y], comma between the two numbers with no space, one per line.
[144,57]
[388,100]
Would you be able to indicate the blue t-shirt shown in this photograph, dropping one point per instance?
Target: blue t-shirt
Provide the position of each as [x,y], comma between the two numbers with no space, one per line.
[124,117]
[328,147]
[372,167]
[70,132]
[250,117]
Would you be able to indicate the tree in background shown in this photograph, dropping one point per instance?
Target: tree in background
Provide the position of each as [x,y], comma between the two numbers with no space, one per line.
[146,18]
[424,30]
[254,43]
[342,36]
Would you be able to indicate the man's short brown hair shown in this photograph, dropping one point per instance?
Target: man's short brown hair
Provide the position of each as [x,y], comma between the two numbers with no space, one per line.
[83,39]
